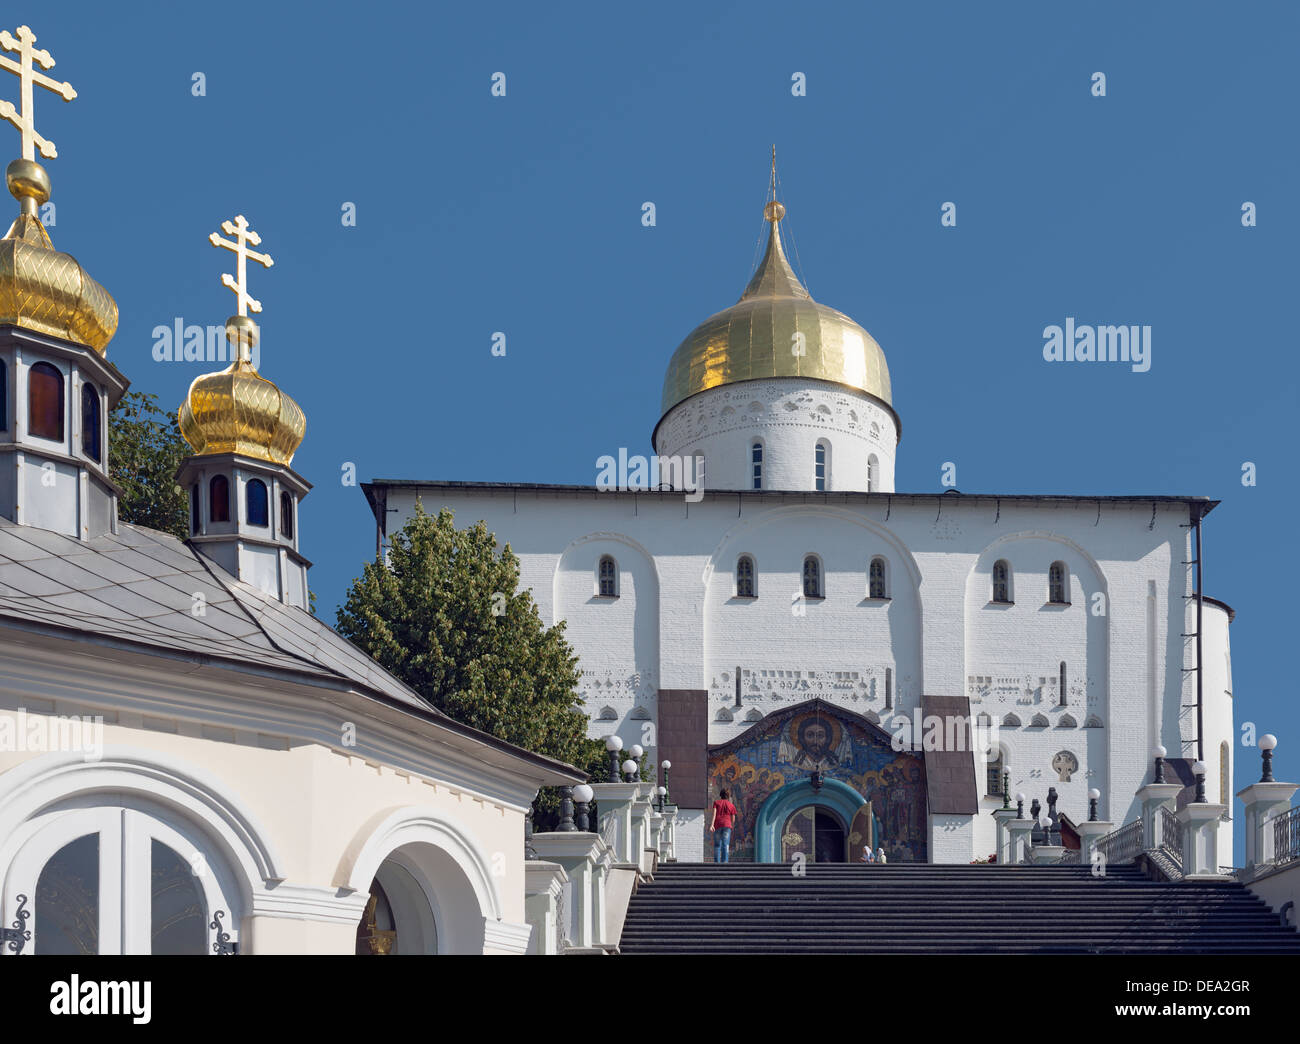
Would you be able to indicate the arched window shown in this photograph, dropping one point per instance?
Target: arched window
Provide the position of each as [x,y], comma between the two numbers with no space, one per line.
[608,577]
[819,467]
[993,773]
[45,402]
[756,460]
[255,502]
[744,577]
[219,499]
[1062,702]
[286,514]
[889,688]
[812,577]
[1056,590]
[876,583]
[1001,581]
[4,396]
[90,421]
[194,508]
[873,474]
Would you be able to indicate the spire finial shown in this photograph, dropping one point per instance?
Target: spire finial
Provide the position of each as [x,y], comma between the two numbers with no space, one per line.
[240,329]
[24,117]
[773,211]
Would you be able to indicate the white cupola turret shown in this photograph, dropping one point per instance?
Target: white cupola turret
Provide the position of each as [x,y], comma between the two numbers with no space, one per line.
[779,392]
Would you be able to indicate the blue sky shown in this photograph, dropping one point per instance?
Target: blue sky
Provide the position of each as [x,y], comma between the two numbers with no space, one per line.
[522,214]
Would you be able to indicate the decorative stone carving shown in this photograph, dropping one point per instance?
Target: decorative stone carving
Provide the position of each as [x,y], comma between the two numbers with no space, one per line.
[1065,764]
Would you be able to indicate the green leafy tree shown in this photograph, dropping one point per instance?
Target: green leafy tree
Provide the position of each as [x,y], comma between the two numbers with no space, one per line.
[445,614]
[145,447]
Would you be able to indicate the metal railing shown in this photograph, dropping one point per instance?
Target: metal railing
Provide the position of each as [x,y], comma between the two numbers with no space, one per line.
[1286,836]
[1122,845]
[1170,837]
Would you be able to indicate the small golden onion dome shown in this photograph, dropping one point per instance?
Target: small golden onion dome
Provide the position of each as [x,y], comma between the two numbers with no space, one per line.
[240,411]
[41,289]
[757,337]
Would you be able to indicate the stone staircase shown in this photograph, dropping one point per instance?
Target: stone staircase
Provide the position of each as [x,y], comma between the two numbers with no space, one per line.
[749,908]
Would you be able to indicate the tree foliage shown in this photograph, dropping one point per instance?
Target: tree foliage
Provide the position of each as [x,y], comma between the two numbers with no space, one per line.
[445,614]
[145,447]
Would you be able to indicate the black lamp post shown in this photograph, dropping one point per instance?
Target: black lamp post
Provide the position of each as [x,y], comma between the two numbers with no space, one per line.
[1160,753]
[1199,769]
[666,765]
[1093,795]
[566,810]
[630,768]
[1020,806]
[583,794]
[1266,744]
[613,744]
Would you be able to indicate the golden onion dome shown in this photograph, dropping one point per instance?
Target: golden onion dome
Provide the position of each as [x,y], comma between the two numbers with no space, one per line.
[240,411]
[759,337]
[41,289]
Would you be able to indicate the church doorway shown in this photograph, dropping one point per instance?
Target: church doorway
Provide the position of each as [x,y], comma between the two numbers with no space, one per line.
[817,833]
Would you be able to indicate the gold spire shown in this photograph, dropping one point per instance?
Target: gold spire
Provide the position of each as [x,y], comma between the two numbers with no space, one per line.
[776,329]
[238,410]
[41,289]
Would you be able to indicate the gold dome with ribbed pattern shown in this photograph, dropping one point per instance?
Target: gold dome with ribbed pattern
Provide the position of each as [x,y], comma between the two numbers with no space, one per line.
[240,411]
[41,289]
[759,337]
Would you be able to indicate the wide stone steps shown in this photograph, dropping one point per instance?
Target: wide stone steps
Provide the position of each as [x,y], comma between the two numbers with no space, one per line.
[902,908]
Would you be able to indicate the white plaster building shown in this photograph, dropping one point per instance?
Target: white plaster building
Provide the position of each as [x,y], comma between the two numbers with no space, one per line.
[189,759]
[801,573]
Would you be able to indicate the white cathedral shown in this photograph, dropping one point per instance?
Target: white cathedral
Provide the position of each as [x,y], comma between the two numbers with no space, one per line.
[790,631]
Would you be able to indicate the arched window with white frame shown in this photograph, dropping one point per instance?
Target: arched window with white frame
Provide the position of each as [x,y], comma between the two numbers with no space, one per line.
[756,464]
[1002,581]
[876,582]
[821,466]
[745,581]
[607,577]
[1057,589]
[812,577]
[873,474]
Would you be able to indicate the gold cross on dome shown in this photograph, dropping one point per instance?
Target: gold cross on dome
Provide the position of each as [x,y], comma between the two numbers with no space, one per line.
[23,117]
[243,236]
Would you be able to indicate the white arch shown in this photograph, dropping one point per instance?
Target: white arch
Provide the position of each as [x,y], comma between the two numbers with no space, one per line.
[391,829]
[58,779]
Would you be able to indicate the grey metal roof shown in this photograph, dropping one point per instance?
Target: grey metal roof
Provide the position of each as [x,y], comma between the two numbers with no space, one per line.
[140,587]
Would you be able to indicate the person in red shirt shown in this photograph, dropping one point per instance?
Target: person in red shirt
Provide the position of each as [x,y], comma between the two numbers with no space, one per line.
[724,815]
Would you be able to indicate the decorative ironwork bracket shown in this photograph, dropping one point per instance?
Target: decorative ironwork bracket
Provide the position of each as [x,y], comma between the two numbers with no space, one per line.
[18,936]
[222,944]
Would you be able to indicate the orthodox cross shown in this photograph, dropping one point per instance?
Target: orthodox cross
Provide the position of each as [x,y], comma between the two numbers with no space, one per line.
[239,283]
[23,117]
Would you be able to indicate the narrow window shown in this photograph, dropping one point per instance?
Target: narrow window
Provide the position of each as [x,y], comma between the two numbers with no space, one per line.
[819,468]
[286,515]
[608,578]
[90,421]
[699,470]
[255,502]
[219,499]
[1001,581]
[889,688]
[744,577]
[873,474]
[877,580]
[756,457]
[4,396]
[811,578]
[1225,775]
[993,778]
[45,402]
[194,508]
[1062,703]
[1056,584]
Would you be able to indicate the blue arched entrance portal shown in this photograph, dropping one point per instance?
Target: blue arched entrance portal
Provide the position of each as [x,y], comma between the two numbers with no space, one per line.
[838,797]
